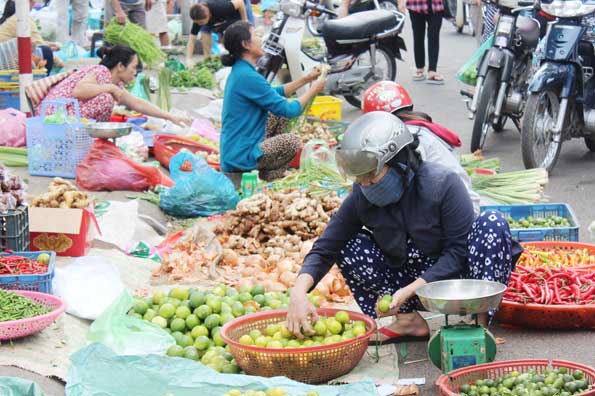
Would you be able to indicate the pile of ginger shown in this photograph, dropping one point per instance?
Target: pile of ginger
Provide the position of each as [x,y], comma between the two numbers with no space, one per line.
[61,194]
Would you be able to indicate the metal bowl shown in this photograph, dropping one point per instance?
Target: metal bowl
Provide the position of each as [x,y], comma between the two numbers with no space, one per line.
[461,296]
[108,130]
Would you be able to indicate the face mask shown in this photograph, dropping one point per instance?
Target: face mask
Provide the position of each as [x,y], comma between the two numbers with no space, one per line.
[386,191]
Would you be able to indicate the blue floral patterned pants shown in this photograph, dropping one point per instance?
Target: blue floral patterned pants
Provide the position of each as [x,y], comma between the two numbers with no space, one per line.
[369,276]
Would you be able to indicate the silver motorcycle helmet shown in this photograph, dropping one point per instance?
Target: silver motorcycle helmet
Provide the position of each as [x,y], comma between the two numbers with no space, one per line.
[369,143]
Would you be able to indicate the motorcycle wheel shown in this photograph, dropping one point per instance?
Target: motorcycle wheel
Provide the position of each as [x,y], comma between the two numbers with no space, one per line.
[590,142]
[485,108]
[382,52]
[538,146]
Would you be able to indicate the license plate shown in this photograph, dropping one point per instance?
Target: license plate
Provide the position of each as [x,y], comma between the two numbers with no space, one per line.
[505,25]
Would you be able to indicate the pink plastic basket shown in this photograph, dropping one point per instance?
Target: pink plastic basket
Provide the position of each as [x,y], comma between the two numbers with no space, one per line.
[24,327]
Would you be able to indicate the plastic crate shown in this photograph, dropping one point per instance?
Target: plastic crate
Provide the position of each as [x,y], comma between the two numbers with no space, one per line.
[14,230]
[540,211]
[10,99]
[56,149]
[13,75]
[326,108]
[38,282]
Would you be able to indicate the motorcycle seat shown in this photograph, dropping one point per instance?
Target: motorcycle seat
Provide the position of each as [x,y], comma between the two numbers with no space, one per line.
[362,25]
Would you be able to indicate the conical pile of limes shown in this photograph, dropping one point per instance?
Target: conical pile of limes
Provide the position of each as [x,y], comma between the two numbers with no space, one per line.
[194,318]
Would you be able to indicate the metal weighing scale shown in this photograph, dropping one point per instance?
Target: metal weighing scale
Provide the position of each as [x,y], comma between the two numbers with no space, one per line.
[462,344]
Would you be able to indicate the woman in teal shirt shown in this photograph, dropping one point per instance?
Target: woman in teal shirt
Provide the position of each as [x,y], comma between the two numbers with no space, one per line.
[252,134]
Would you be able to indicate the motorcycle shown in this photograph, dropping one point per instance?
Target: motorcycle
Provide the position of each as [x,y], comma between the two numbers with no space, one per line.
[561,103]
[315,19]
[459,14]
[361,48]
[503,72]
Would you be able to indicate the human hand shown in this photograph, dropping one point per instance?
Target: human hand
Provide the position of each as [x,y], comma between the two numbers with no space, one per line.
[120,17]
[300,315]
[181,121]
[54,46]
[399,298]
[318,86]
[313,75]
[148,4]
[402,7]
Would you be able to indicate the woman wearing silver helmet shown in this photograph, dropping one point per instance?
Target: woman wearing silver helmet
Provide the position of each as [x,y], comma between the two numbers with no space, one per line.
[406,223]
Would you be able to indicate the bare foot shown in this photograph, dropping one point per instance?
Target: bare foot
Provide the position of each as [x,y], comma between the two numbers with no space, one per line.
[412,324]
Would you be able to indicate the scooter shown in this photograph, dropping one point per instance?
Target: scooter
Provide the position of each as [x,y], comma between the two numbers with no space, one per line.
[361,48]
[561,103]
[503,72]
[315,19]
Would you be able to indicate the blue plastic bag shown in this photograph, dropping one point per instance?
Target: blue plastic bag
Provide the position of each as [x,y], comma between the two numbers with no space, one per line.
[200,192]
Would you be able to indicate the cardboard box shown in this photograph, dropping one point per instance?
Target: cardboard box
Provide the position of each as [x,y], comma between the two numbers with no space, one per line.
[64,231]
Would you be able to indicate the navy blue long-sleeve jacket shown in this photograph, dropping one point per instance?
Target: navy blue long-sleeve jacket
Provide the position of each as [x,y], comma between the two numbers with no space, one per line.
[435,211]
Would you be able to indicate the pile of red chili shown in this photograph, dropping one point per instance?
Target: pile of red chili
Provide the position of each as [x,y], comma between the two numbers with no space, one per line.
[19,265]
[551,286]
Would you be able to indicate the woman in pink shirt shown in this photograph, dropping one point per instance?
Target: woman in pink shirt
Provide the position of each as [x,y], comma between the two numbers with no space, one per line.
[98,88]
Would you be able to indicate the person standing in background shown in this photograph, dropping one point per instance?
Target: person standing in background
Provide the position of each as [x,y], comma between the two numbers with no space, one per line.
[157,20]
[425,13]
[135,10]
[80,15]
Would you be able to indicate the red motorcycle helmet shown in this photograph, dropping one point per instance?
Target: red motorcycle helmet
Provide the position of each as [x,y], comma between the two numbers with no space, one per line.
[386,96]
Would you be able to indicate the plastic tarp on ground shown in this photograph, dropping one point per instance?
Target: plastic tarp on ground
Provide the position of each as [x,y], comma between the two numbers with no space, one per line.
[98,371]
[11,386]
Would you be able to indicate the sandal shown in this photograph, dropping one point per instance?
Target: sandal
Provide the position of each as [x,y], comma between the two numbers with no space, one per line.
[418,76]
[435,79]
[396,338]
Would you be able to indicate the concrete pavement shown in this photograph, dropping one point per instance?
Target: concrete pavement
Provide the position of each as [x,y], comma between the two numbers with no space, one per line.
[573,182]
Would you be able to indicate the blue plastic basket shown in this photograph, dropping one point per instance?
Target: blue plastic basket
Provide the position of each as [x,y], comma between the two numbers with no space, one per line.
[41,283]
[540,211]
[10,99]
[56,149]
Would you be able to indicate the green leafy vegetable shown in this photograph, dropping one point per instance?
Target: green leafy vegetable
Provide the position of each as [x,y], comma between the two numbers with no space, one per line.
[201,78]
[134,36]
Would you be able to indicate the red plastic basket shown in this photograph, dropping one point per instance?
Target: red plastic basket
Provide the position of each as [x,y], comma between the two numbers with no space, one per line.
[312,365]
[541,316]
[24,327]
[166,146]
[449,384]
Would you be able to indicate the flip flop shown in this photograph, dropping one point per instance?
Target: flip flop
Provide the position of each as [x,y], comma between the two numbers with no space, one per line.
[435,80]
[418,77]
[396,338]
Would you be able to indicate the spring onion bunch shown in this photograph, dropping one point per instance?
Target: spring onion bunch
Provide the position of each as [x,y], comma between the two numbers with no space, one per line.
[510,188]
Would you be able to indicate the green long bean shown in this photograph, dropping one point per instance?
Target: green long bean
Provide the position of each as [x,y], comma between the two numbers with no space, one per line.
[13,306]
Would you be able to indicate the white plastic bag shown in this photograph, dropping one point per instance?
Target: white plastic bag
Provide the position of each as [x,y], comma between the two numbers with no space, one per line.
[118,223]
[212,111]
[89,285]
[134,146]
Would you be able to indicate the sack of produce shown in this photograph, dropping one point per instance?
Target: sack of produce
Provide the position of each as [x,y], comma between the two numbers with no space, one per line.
[467,74]
[127,335]
[202,191]
[107,168]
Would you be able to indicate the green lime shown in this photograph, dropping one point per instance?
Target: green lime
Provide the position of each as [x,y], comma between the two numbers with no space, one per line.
[237,309]
[202,343]
[257,289]
[149,315]
[191,352]
[141,307]
[203,311]
[160,321]
[185,340]
[259,299]
[244,297]
[158,298]
[217,338]
[226,317]
[342,317]
[230,369]
[197,299]
[167,310]
[192,321]
[246,340]
[183,312]
[215,303]
[220,291]
[212,321]
[200,330]
[578,374]
[179,293]
[175,351]
[177,324]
